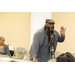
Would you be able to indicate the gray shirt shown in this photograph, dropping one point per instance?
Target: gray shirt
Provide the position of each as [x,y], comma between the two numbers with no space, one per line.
[40,45]
[2,51]
[5,50]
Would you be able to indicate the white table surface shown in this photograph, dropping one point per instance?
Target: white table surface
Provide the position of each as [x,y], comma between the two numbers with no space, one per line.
[8,59]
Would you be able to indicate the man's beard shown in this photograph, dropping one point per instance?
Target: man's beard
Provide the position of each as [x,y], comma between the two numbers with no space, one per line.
[48,31]
[47,28]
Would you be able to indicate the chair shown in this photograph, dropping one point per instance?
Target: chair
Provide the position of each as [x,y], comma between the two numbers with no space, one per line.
[73,54]
[26,57]
[57,53]
[20,52]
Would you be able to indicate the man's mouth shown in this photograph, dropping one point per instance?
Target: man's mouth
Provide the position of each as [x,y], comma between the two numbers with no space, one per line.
[51,28]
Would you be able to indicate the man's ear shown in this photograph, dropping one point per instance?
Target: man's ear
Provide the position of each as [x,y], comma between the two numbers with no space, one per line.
[45,24]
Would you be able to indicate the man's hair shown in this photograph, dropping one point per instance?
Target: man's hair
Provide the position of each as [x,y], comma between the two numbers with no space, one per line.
[65,57]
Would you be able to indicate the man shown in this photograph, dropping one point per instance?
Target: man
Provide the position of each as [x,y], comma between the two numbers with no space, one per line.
[40,50]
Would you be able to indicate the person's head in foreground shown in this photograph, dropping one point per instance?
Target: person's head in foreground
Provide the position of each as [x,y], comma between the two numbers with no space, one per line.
[65,57]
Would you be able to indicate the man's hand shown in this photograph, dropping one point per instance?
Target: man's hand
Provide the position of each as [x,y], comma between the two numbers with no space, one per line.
[35,60]
[62,31]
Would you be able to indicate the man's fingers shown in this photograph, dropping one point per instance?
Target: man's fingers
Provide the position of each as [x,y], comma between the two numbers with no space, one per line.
[65,28]
[62,28]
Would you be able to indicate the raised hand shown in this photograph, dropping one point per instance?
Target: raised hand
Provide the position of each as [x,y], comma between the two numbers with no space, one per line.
[62,31]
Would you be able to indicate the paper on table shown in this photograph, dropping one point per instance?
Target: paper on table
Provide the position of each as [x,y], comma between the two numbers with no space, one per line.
[11,48]
[5,58]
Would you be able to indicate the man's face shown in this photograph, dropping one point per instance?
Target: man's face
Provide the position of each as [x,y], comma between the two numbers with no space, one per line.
[2,41]
[50,25]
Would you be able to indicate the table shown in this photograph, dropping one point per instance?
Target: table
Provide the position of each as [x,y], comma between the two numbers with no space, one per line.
[8,59]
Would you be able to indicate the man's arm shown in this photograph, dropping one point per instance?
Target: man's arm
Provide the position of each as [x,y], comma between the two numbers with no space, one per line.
[36,46]
[62,36]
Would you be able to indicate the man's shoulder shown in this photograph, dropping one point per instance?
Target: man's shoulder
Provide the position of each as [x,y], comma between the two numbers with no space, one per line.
[56,31]
[40,31]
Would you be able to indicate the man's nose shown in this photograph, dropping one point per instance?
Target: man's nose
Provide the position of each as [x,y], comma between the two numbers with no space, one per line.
[51,25]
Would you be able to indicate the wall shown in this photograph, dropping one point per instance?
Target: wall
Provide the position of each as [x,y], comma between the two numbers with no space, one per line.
[15,27]
[66,19]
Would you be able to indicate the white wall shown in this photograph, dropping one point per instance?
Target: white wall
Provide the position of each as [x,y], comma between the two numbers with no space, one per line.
[37,22]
